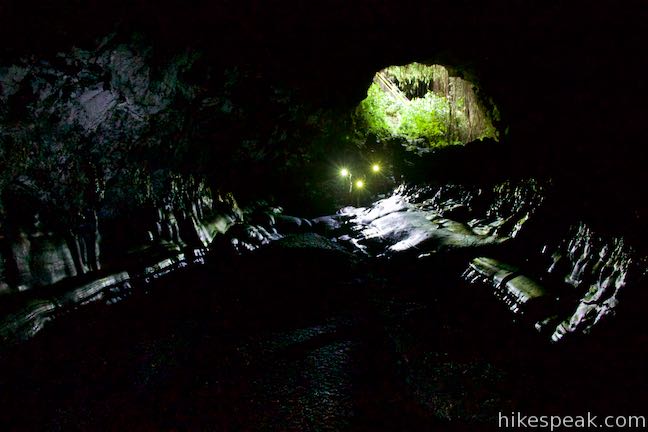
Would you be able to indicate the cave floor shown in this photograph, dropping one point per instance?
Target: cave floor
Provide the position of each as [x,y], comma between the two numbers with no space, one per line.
[204,353]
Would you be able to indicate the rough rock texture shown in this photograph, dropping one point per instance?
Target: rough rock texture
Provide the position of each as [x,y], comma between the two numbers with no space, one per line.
[419,220]
[36,255]
[33,312]
[92,144]
[80,191]
[568,288]
[216,231]
[26,314]
[586,276]
[44,281]
[602,271]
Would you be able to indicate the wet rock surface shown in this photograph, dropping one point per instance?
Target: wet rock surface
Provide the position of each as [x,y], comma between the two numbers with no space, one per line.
[370,352]
[333,331]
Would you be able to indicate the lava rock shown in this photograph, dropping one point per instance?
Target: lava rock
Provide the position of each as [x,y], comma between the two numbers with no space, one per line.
[291,224]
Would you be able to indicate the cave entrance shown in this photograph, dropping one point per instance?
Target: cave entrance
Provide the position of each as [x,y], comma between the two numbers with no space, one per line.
[427,106]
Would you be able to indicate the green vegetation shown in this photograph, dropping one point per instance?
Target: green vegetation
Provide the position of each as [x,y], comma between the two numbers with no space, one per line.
[427,117]
[424,104]
[380,112]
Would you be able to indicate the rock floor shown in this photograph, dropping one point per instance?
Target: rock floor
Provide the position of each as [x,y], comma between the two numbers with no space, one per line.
[367,357]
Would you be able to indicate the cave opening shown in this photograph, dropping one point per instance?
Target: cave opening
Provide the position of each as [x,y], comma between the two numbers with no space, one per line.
[427,106]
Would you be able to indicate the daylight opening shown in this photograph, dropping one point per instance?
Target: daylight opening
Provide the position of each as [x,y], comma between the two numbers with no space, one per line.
[427,106]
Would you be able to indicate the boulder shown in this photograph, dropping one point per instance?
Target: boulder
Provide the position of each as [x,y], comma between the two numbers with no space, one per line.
[291,224]
[326,224]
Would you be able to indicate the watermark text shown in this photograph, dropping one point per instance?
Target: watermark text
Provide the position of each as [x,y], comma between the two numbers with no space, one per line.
[517,420]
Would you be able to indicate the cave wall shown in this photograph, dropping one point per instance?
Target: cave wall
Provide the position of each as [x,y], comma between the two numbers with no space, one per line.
[40,255]
[97,124]
[124,147]
[91,146]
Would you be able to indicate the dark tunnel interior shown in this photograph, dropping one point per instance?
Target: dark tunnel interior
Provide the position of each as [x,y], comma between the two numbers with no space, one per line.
[340,215]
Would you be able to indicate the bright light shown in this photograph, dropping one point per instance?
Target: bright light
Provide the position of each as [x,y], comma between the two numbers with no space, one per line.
[359,184]
[375,168]
[344,172]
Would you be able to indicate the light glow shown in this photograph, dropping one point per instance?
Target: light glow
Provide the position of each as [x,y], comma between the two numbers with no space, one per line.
[359,184]
[375,168]
[344,172]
